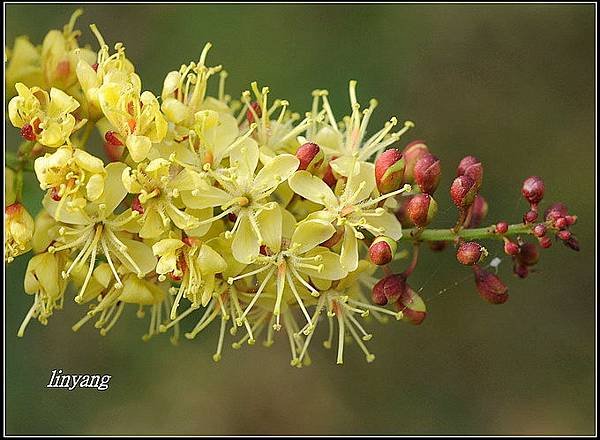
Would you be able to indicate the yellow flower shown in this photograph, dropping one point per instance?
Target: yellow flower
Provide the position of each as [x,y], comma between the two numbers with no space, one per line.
[158,184]
[72,176]
[353,209]
[136,118]
[107,68]
[46,118]
[243,194]
[43,280]
[60,54]
[134,290]
[184,92]
[291,252]
[193,264]
[94,230]
[18,230]
[348,143]
[24,65]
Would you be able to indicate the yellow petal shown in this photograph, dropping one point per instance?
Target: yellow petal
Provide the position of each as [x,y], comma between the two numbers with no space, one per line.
[138,147]
[270,224]
[311,233]
[245,246]
[276,171]
[349,254]
[141,254]
[210,262]
[390,224]
[312,188]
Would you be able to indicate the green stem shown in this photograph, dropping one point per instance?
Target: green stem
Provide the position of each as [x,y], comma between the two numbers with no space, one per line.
[466,234]
[89,128]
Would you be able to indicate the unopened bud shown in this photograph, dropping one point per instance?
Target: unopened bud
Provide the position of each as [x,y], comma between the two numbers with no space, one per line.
[114,152]
[472,167]
[310,156]
[521,270]
[463,191]
[113,139]
[18,231]
[561,223]
[528,254]
[511,248]
[382,250]
[479,211]
[427,173]
[533,190]
[490,287]
[329,178]
[545,242]
[401,212]
[539,230]
[564,235]
[470,253]
[27,132]
[388,289]
[572,243]
[421,209]
[555,211]
[389,171]
[501,227]
[412,153]
[530,216]
[412,307]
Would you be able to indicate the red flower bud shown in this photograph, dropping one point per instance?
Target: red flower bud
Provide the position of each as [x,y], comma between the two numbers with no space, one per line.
[533,190]
[412,153]
[572,243]
[561,223]
[421,209]
[501,227]
[113,139]
[521,270]
[528,254]
[389,171]
[402,212]
[382,250]
[412,306]
[479,211]
[329,178]
[136,205]
[27,132]
[564,235]
[463,191]
[388,289]
[530,216]
[114,152]
[571,219]
[511,248]
[470,253]
[490,287]
[470,166]
[54,195]
[250,115]
[539,230]
[555,211]
[427,173]
[545,242]
[310,156]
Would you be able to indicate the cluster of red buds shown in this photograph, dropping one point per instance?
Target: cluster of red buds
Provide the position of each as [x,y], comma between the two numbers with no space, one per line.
[417,166]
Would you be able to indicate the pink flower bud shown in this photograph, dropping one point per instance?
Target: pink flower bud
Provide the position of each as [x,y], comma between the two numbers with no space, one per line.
[27,132]
[421,209]
[310,156]
[412,153]
[382,250]
[530,216]
[490,287]
[533,189]
[389,171]
[564,235]
[402,212]
[539,230]
[545,242]
[561,223]
[463,191]
[472,167]
[388,289]
[113,152]
[555,211]
[427,172]
[412,306]
[511,248]
[470,253]
[501,227]
[479,211]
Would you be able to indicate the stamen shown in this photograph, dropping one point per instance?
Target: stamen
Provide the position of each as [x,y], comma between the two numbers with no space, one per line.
[240,319]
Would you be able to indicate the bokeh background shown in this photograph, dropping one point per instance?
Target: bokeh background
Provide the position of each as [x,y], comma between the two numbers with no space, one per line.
[513,85]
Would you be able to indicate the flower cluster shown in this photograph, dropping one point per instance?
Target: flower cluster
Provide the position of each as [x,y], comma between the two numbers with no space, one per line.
[208,208]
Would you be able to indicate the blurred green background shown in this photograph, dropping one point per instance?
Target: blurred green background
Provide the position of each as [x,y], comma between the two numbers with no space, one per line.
[513,85]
